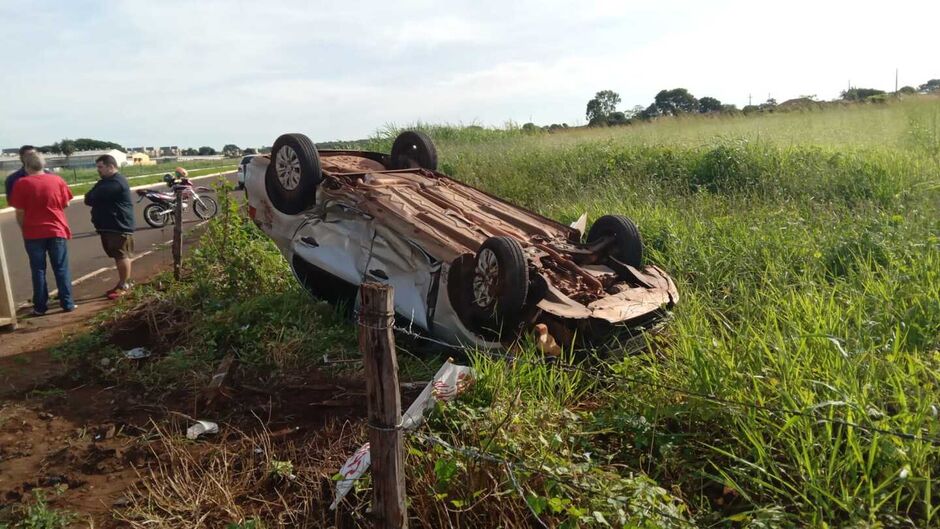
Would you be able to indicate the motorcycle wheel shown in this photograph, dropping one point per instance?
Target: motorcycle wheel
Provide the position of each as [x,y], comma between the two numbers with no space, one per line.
[154,215]
[205,207]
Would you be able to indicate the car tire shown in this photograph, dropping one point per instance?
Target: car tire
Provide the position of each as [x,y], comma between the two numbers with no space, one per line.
[414,149]
[294,173]
[627,246]
[499,285]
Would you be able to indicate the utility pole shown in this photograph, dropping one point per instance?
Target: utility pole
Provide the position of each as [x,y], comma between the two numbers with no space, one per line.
[895,80]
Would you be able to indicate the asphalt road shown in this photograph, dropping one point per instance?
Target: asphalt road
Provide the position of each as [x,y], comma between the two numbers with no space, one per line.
[85,254]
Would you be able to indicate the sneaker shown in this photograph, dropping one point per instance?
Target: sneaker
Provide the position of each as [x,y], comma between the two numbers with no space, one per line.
[38,312]
[125,286]
[116,293]
[70,308]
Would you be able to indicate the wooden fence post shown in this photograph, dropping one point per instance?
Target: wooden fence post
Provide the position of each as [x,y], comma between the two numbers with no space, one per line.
[7,307]
[377,344]
[178,235]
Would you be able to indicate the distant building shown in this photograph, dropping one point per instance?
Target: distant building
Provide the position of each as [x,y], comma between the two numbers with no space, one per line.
[9,163]
[169,151]
[141,158]
[83,158]
[14,150]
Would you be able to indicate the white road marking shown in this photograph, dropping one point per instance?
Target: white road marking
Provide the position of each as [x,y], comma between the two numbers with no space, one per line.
[103,270]
[86,277]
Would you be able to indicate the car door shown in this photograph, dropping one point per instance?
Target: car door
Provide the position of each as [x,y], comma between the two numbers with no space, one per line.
[336,240]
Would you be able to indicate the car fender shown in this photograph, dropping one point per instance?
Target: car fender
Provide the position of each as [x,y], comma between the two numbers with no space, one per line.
[278,226]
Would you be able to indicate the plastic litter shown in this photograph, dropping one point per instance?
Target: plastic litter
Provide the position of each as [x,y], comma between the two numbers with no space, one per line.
[450,381]
[136,353]
[201,427]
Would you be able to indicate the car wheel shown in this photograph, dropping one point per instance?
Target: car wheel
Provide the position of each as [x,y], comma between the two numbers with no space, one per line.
[499,285]
[414,149]
[627,245]
[294,173]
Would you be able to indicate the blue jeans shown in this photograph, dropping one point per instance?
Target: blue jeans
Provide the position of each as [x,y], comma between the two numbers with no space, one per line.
[58,251]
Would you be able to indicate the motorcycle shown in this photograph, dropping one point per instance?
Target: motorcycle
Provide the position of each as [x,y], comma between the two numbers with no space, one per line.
[163,204]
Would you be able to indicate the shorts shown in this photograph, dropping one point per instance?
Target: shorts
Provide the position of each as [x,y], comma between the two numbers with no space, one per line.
[117,245]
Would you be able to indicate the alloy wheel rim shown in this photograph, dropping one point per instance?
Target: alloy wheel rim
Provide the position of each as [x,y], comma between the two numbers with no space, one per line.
[287,166]
[485,278]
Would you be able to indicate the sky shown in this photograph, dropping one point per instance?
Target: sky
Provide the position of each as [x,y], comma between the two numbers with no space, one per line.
[207,72]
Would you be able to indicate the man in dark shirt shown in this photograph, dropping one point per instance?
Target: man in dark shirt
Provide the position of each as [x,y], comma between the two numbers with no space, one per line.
[19,173]
[112,213]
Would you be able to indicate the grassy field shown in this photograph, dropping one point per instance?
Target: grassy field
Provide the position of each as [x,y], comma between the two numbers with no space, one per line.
[87,177]
[795,385]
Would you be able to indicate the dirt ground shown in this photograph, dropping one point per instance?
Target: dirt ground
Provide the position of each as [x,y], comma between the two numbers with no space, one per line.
[89,447]
[86,446]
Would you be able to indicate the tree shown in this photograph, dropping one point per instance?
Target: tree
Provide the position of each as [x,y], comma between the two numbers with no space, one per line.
[676,101]
[634,112]
[88,144]
[650,112]
[709,104]
[932,85]
[190,152]
[250,150]
[206,151]
[265,150]
[769,105]
[907,90]
[231,151]
[729,109]
[67,147]
[604,103]
[618,118]
[860,94]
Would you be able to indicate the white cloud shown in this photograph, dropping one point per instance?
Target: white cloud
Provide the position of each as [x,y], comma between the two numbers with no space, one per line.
[215,71]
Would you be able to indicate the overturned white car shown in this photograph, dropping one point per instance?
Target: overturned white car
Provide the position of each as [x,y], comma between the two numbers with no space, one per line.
[467,267]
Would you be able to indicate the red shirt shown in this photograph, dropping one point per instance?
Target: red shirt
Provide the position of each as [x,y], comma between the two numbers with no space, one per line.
[43,198]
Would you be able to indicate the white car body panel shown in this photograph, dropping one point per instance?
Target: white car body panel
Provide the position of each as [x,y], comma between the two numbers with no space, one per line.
[350,245]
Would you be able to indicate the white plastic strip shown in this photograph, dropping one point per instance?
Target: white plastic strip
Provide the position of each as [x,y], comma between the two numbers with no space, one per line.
[450,381]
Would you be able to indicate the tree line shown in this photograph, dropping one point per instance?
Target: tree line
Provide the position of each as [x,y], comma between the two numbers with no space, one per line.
[68,147]
[602,109]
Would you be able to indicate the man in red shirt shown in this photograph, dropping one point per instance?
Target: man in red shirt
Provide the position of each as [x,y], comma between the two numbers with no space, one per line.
[40,201]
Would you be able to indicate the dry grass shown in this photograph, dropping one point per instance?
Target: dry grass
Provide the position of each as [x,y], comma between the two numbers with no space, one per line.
[240,479]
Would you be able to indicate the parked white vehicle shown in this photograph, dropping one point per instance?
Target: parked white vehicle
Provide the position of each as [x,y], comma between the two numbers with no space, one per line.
[466,267]
[240,172]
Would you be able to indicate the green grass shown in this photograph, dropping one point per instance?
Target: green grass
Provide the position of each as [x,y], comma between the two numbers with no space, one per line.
[81,189]
[806,249]
[38,515]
